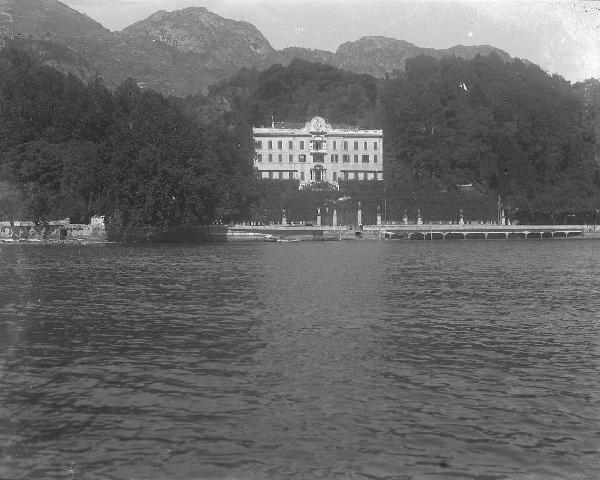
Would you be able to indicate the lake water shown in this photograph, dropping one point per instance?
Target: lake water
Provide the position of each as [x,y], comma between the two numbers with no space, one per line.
[350,360]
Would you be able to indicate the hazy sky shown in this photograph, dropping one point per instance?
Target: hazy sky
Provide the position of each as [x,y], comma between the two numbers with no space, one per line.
[562,37]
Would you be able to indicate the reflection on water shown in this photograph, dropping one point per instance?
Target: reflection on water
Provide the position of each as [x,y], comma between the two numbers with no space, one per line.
[304,360]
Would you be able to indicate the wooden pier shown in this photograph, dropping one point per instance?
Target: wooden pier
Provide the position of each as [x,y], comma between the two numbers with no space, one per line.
[405,232]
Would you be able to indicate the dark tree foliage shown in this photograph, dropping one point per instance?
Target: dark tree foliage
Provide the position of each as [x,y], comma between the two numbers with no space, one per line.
[73,150]
[505,127]
[300,91]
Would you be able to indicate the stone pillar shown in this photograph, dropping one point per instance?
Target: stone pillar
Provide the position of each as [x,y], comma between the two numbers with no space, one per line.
[461,218]
[318,216]
[359,215]
[334,221]
[405,218]
[378,215]
[284,221]
[419,219]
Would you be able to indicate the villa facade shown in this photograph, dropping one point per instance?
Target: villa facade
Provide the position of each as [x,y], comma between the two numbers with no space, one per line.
[318,152]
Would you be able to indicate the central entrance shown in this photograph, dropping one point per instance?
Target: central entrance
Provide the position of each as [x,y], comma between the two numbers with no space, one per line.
[317,174]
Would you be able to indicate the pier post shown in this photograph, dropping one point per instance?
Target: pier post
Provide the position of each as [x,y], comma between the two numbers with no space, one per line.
[378,215]
[405,218]
[334,220]
[318,216]
[419,219]
[359,215]
[284,218]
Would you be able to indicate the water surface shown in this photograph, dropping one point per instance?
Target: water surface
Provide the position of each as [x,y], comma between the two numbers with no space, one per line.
[378,360]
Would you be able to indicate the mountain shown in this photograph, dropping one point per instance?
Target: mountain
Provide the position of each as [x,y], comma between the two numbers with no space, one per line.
[182,52]
[377,56]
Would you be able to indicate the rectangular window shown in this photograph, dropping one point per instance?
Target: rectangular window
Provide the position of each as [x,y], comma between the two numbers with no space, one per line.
[334,158]
[375,146]
[280,175]
[270,145]
[365,159]
[291,175]
[355,145]
[345,175]
[290,145]
[355,158]
[270,157]
[334,176]
[270,175]
[291,157]
[355,175]
[365,176]
[302,158]
[334,145]
[259,144]
[302,176]
[346,158]
[346,146]
[301,144]
[280,158]
[259,158]
[374,158]
[365,145]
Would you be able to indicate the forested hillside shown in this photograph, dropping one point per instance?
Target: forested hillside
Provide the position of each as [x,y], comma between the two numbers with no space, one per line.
[506,128]
[69,149]
[74,149]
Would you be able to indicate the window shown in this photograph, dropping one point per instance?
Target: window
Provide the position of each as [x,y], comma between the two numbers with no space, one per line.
[334,145]
[355,175]
[365,159]
[365,146]
[346,146]
[259,144]
[280,175]
[279,145]
[270,175]
[270,145]
[334,176]
[270,157]
[355,145]
[264,175]
[374,158]
[345,175]
[301,144]
[346,158]
[280,158]
[302,158]
[355,158]
[334,158]
[365,176]
[302,176]
[291,157]
[291,175]
[375,146]
[290,145]
[259,158]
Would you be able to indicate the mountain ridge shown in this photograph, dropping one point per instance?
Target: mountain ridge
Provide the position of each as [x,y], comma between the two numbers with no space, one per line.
[182,52]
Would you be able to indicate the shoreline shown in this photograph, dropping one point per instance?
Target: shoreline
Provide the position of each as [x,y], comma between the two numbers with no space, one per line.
[288,233]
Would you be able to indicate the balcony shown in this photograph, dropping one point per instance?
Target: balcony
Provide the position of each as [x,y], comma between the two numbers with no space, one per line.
[318,147]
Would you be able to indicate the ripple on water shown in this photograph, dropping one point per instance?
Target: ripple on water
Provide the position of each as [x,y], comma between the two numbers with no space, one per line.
[307,360]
